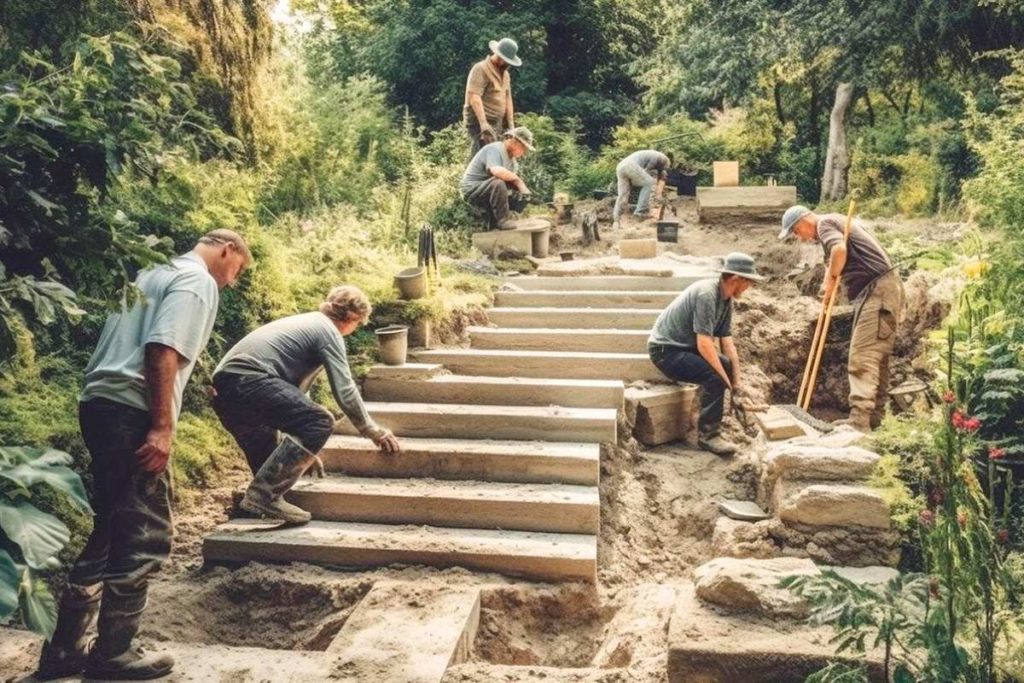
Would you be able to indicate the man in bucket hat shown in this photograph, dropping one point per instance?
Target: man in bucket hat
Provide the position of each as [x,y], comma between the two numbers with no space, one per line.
[493,173]
[488,111]
[682,343]
[874,287]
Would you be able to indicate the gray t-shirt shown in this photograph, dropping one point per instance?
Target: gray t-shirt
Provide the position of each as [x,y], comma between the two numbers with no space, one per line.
[177,308]
[865,257]
[295,349]
[479,169]
[700,309]
[650,160]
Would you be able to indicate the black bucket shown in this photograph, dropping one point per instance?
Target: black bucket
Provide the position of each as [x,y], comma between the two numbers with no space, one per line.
[685,182]
[668,231]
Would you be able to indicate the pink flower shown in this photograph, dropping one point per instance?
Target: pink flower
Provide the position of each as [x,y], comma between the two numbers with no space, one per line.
[972,424]
[996,453]
[957,419]
[949,396]
[926,518]
[1003,535]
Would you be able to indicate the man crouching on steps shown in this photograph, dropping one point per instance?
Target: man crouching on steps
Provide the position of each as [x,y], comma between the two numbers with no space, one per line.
[261,388]
[682,343]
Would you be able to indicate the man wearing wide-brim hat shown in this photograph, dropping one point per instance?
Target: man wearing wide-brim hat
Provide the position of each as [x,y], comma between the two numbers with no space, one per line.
[488,111]
[682,343]
[493,173]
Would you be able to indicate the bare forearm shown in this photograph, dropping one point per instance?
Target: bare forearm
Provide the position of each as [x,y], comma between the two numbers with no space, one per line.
[510,114]
[502,173]
[161,370]
[729,349]
[837,261]
[477,105]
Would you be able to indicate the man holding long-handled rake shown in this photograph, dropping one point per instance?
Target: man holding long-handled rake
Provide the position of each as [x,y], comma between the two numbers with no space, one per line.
[873,285]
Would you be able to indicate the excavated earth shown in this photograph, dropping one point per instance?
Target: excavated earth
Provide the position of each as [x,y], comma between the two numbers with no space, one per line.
[657,507]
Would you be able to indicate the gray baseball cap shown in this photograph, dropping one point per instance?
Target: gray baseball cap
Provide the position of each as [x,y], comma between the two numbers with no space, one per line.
[791,218]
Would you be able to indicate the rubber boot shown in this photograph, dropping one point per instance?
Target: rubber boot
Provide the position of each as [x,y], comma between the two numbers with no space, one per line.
[858,419]
[113,657]
[275,478]
[715,443]
[66,651]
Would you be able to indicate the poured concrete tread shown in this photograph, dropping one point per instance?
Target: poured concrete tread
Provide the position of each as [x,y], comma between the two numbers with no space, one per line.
[564,508]
[506,391]
[584,299]
[559,339]
[566,364]
[615,283]
[541,556]
[485,460]
[615,318]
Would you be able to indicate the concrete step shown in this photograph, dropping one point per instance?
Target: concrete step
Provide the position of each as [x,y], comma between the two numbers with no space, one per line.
[459,421]
[575,318]
[539,462]
[509,391]
[558,339]
[559,508]
[542,556]
[598,299]
[554,364]
[613,283]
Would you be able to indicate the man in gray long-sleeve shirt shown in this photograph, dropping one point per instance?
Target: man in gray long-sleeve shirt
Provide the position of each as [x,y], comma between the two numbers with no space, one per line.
[646,169]
[261,389]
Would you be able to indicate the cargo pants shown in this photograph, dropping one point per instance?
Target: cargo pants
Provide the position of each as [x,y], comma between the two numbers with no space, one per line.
[876,319]
[628,176]
[492,197]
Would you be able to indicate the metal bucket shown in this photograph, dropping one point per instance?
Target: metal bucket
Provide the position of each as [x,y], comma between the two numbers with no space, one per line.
[412,283]
[393,343]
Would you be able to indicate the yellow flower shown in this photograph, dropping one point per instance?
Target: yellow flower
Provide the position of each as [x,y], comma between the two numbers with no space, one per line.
[975,269]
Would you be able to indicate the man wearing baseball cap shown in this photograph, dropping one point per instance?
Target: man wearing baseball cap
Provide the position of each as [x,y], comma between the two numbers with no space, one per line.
[493,173]
[487,110]
[874,287]
[682,343]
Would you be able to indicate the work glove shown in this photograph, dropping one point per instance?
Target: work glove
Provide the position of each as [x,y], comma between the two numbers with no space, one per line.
[487,135]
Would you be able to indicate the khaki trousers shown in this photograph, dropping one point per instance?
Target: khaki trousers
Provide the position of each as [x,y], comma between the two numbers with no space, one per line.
[876,319]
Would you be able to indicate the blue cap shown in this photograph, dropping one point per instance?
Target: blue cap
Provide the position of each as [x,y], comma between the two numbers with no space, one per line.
[791,218]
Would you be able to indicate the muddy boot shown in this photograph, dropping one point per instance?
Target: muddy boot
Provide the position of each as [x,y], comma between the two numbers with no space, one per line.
[715,443]
[113,657]
[858,420]
[65,653]
[277,475]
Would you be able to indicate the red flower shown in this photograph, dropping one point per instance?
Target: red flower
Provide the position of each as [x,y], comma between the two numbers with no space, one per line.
[963,423]
[957,419]
[926,518]
[1003,535]
[972,425]
[949,396]
[996,453]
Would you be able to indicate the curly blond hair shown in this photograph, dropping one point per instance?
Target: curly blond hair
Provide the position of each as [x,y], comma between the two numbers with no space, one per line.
[346,302]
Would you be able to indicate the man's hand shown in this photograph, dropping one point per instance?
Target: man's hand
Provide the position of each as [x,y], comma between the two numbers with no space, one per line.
[156,451]
[831,282]
[316,468]
[523,189]
[487,135]
[386,441]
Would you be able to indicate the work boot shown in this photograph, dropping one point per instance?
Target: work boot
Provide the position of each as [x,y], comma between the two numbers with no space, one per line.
[276,477]
[66,651]
[507,224]
[715,443]
[113,657]
[859,420]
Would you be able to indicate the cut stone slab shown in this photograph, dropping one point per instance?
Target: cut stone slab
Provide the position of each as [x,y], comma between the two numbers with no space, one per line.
[749,585]
[736,538]
[661,414]
[638,248]
[830,505]
[866,575]
[508,391]
[406,371]
[759,202]
[778,425]
[559,339]
[460,421]
[551,364]
[706,645]
[575,318]
[530,238]
[558,508]
[542,556]
[583,299]
[725,173]
[406,632]
[850,463]
[538,462]
[742,510]
[613,283]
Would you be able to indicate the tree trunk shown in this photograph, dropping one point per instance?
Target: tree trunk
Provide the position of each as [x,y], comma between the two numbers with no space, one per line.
[837,157]
[871,110]
[779,112]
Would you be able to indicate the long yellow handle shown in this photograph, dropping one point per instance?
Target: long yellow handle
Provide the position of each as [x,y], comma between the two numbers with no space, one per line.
[810,357]
[818,344]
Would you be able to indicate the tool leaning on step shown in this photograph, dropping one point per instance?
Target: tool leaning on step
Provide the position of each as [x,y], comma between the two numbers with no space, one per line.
[873,284]
[261,386]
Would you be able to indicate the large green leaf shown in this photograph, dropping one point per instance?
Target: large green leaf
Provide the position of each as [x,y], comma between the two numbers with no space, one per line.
[25,467]
[9,579]
[38,604]
[39,534]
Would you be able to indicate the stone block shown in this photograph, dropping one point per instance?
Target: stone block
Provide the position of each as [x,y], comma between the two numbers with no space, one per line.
[828,504]
[639,248]
[778,425]
[752,585]
[851,463]
[734,538]
[529,238]
[661,414]
[407,371]
[726,173]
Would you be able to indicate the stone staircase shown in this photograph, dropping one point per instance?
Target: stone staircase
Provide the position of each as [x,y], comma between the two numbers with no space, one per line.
[501,458]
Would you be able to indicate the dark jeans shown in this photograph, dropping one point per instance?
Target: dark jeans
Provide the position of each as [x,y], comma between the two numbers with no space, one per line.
[491,196]
[132,528]
[254,407]
[683,365]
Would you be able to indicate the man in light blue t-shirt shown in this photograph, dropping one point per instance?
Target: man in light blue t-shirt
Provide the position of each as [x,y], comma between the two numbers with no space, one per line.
[492,171]
[682,343]
[646,169]
[128,410]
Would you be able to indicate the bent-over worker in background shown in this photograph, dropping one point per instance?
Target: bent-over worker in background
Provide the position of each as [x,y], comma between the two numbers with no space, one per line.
[492,174]
[128,410]
[261,386]
[487,110]
[682,344]
[874,287]
[646,169]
